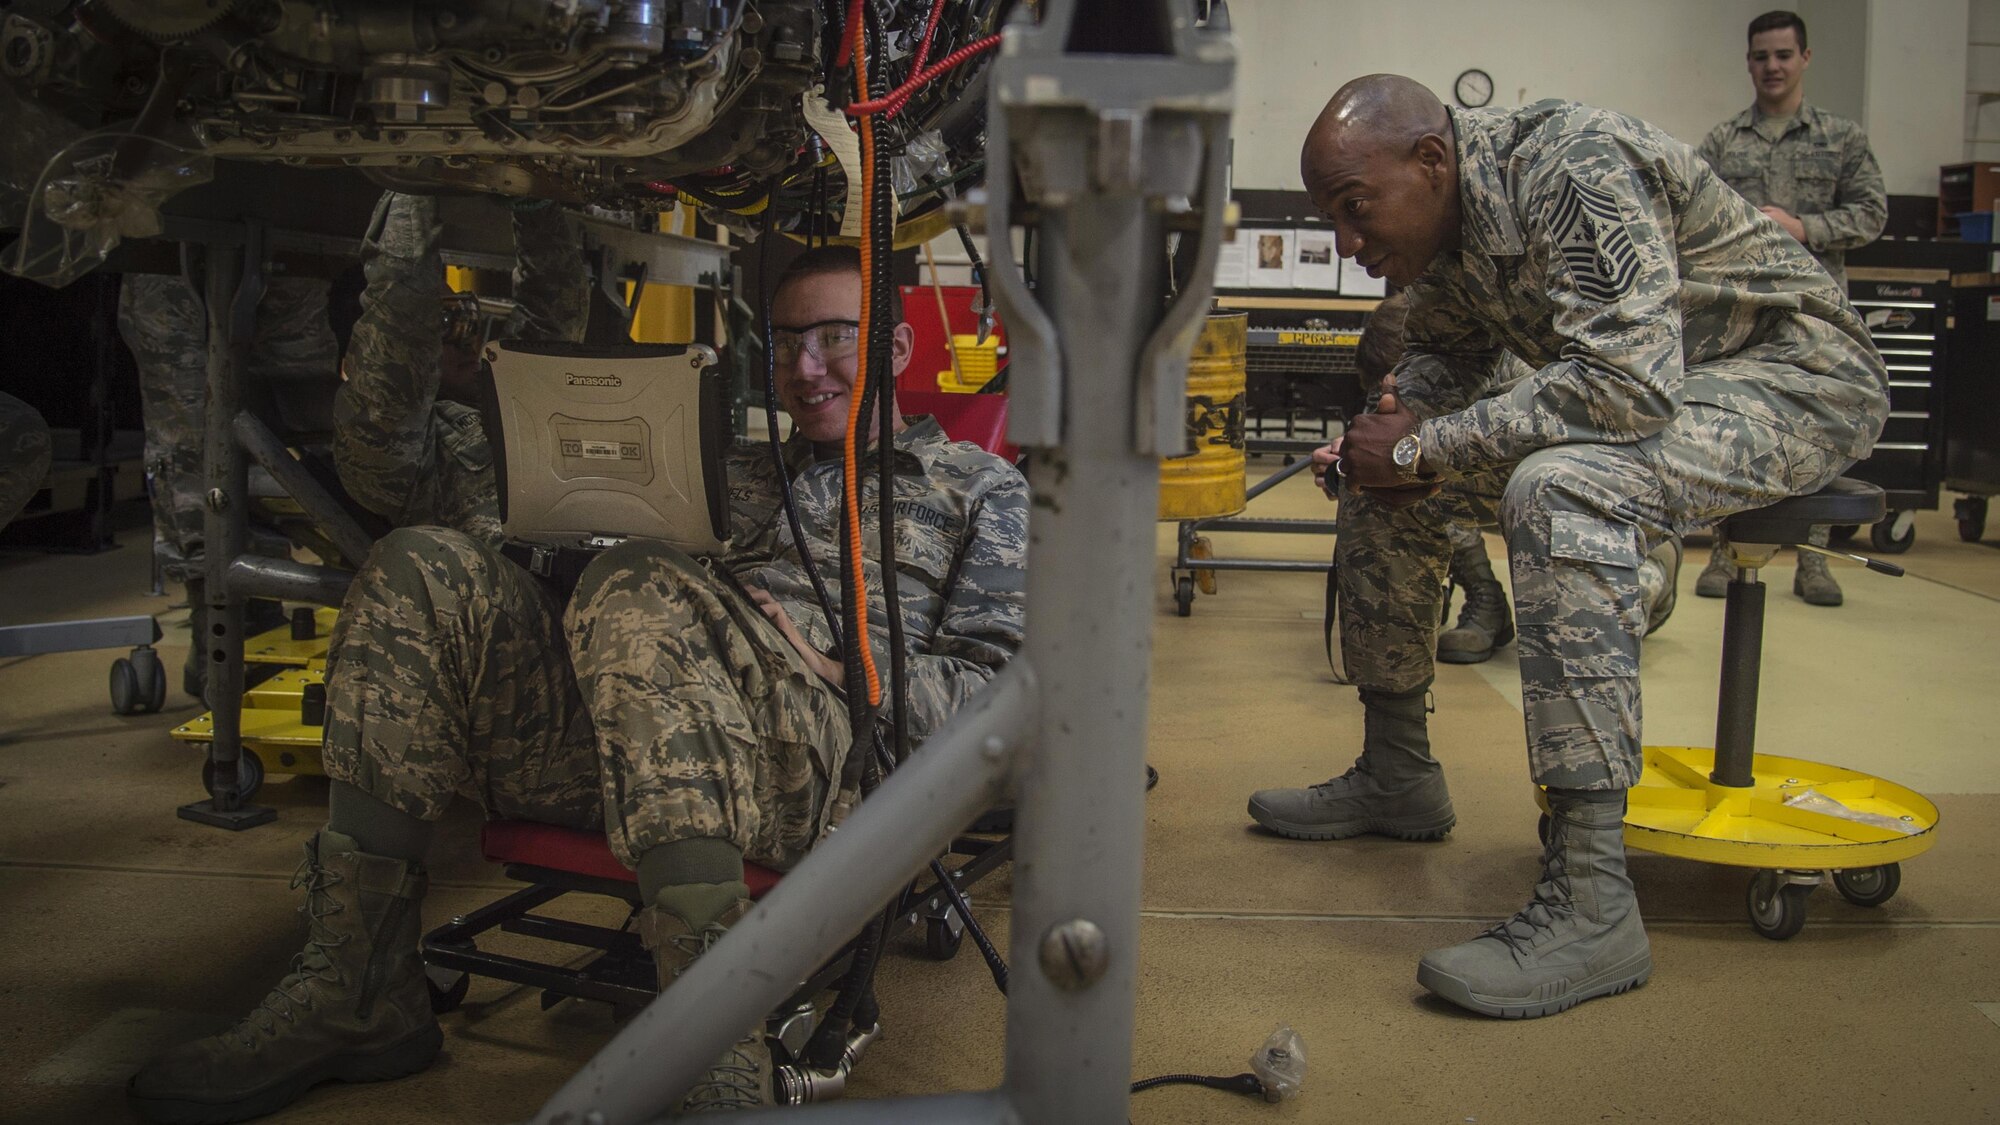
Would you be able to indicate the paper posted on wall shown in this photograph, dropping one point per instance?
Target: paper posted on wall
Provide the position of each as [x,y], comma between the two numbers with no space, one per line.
[1314,264]
[1267,257]
[1355,282]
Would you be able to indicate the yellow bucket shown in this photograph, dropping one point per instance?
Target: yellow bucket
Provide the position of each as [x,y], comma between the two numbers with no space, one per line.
[977,362]
[1210,481]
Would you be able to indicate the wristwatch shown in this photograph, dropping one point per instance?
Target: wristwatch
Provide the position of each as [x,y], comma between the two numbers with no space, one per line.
[1406,454]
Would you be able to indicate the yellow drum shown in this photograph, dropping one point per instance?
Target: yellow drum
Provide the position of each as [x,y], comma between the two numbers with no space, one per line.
[1210,481]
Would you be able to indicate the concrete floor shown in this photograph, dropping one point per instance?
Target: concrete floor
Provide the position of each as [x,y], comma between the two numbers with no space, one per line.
[126,928]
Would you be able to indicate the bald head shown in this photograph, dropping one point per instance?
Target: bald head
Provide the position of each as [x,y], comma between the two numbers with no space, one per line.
[1381,162]
[1377,111]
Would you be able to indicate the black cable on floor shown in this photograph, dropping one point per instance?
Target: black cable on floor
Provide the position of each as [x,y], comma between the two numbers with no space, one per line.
[1245,1083]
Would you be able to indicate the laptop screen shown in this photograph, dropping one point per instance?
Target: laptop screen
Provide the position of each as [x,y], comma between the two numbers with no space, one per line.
[609,442]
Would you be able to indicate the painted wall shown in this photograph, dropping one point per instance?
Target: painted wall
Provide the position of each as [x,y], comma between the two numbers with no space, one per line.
[1915,112]
[1898,65]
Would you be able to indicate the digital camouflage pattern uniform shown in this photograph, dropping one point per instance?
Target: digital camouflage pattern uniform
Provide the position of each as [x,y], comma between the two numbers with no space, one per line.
[660,703]
[1816,166]
[1693,361]
[24,455]
[165,324]
[1507,371]
[400,450]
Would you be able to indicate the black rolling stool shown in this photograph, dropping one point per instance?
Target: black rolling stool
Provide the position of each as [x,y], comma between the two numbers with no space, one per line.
[1797,823]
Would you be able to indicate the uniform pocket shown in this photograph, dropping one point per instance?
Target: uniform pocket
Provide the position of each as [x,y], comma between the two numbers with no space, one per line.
[1740,172]
[1818,180]
[1574,535]
[1595,640]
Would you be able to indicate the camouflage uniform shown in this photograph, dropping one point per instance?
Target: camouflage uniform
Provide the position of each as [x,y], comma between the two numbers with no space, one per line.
[1694,362]
[1816,166]
[400,451]
[661,703]
[165,324]
[1507,371]
[24,455]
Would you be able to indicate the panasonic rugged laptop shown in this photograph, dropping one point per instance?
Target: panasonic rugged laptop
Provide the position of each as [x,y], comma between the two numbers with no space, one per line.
[594,444]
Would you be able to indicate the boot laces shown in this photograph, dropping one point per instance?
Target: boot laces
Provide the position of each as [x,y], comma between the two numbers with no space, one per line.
[1483,601]
[294,994]
[1357,769]
[1554,899]
[736,1082]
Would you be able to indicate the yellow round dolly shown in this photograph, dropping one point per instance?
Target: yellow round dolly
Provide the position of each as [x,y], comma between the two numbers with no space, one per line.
[1799,823]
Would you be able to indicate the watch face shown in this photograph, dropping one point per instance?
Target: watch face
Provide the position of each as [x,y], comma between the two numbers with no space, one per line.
[1405,451]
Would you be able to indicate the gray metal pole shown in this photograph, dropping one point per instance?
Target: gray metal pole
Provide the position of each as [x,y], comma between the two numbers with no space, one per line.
[225,528]
[1079,826]
[253,576]
[233,283]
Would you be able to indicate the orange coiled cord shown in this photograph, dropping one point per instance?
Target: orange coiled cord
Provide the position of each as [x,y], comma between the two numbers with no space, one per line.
[857,593]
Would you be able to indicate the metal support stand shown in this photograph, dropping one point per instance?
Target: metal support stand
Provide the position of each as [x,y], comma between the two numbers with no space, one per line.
[234,282]
[1742,661]
[1121,112]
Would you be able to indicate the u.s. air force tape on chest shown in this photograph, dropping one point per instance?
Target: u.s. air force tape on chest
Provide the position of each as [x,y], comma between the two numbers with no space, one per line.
[1591,239]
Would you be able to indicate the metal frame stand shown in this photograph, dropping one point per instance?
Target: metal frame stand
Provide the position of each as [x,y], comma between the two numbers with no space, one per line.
[232,285]
[1112,147]
[1190,530]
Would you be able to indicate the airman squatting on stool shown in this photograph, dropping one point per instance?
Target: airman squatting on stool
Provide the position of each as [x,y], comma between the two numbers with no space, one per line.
[1691,361]
[687,709]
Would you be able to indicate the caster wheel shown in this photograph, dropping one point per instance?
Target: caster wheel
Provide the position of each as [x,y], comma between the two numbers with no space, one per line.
[1884,538]
[1869,886]
[249,775]
[1841,533]
[1971,513]
[1777,907]
[1152,778]
[1200,547]
[138,683]
[152,678]
[941,941]
[447,988]
[1184,595]
[124,687]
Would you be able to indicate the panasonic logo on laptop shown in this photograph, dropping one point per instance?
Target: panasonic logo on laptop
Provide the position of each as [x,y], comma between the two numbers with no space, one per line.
[576,380]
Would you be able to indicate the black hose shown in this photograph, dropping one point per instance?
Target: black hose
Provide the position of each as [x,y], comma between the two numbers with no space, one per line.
[881,361]
[1245,1083]
[995,963]
[857,987]
[791,506]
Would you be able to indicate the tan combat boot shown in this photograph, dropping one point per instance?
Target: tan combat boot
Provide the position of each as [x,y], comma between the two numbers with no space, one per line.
[742,1078]
[354,1008]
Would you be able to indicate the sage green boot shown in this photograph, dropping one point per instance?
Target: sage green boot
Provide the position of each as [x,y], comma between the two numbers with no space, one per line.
[684,922]
[1579,936]
[1394,789]
[354,1008]
[1714,579]
[1485,623]
[1814,580]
